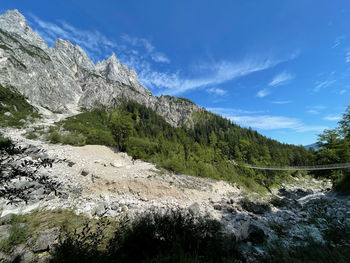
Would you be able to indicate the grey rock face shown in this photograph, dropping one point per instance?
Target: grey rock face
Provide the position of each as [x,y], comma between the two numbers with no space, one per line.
[63,78]
[194,209]
[113,70]
[4,232]
[100,209]
[14,22]
[46,240]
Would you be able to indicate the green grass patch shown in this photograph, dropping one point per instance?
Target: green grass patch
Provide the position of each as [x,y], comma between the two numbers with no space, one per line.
[312,252]
[14,109]
[18,234]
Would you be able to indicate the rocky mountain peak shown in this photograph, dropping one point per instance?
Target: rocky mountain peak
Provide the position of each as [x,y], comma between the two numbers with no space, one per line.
[14,16]
[64,78]
[72,56]
[113,70]
[14,22]
[63,44]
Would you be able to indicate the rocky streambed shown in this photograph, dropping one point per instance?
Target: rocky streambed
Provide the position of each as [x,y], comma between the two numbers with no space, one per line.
[98,181]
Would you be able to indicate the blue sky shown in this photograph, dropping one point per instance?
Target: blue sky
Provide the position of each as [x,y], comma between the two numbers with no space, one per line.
[280,67]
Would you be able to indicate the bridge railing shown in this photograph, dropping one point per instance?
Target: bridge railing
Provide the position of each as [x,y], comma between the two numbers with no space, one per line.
[295,168]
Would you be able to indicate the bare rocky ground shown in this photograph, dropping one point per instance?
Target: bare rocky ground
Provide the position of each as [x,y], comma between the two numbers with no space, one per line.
[97,180]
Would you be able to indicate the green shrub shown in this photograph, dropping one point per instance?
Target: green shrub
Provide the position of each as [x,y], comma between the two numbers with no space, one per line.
[31,135]
[96,136]
[312,252]
[54,137]
[169,237]
[18,234]
[4,142]
[341,180]
[74,138]
[14,109]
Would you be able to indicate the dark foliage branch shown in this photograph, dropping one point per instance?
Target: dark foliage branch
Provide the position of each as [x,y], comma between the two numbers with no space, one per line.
[13,167]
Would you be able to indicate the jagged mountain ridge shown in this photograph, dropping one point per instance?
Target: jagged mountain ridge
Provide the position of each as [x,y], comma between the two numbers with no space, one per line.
[63,78]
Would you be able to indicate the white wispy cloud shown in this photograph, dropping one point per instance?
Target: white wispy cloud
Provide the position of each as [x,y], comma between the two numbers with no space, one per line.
[150,50]
[140,54]
[160,57]
[339,40]
[228,112]
[347,57]
[92,41]
[323,84]
[220,72]
[282,102]
[217,91]
[266,122]
[260,120]
[332,117]
[281,79]
[313,112]
[316,109]
[263,93]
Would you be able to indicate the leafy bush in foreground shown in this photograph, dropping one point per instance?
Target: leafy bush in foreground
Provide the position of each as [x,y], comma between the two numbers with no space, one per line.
[171,237]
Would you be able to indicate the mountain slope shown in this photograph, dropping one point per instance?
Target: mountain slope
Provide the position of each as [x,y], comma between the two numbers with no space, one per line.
[63,78]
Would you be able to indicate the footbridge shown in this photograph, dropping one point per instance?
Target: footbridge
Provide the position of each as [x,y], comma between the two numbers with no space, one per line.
[298,168]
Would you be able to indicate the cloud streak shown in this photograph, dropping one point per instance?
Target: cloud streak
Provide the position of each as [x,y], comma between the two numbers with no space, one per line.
[140,54]
[338,41]
[281,79]
[347,57]
[92,41]
[332,118]
[281,102]
[325,83]
[220,72]
[149,49]
[227,112]
[217,91]
[263,93]
[267,122]
[259,120]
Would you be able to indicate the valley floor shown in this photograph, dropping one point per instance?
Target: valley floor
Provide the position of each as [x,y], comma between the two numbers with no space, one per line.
[99,181]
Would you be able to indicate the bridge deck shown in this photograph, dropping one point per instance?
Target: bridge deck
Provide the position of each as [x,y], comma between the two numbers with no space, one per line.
[301,168]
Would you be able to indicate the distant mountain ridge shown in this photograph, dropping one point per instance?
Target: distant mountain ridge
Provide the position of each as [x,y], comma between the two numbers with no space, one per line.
[63,78]
[312,146]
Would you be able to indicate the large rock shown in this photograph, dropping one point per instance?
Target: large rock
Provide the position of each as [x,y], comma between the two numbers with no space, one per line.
[21,253]
[85,172]
[194,209]
[252,232]
[256,234]
[100,209]
[4,232]
[46,240]
[14,22]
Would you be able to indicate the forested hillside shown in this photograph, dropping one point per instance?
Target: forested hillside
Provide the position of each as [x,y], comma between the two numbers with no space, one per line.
[206,150]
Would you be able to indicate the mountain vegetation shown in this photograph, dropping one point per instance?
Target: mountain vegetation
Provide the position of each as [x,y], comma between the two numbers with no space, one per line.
[335,148]
[210,148]
[14,108]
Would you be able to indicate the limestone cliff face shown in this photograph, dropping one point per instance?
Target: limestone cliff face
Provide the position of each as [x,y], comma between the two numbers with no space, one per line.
[64,78]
